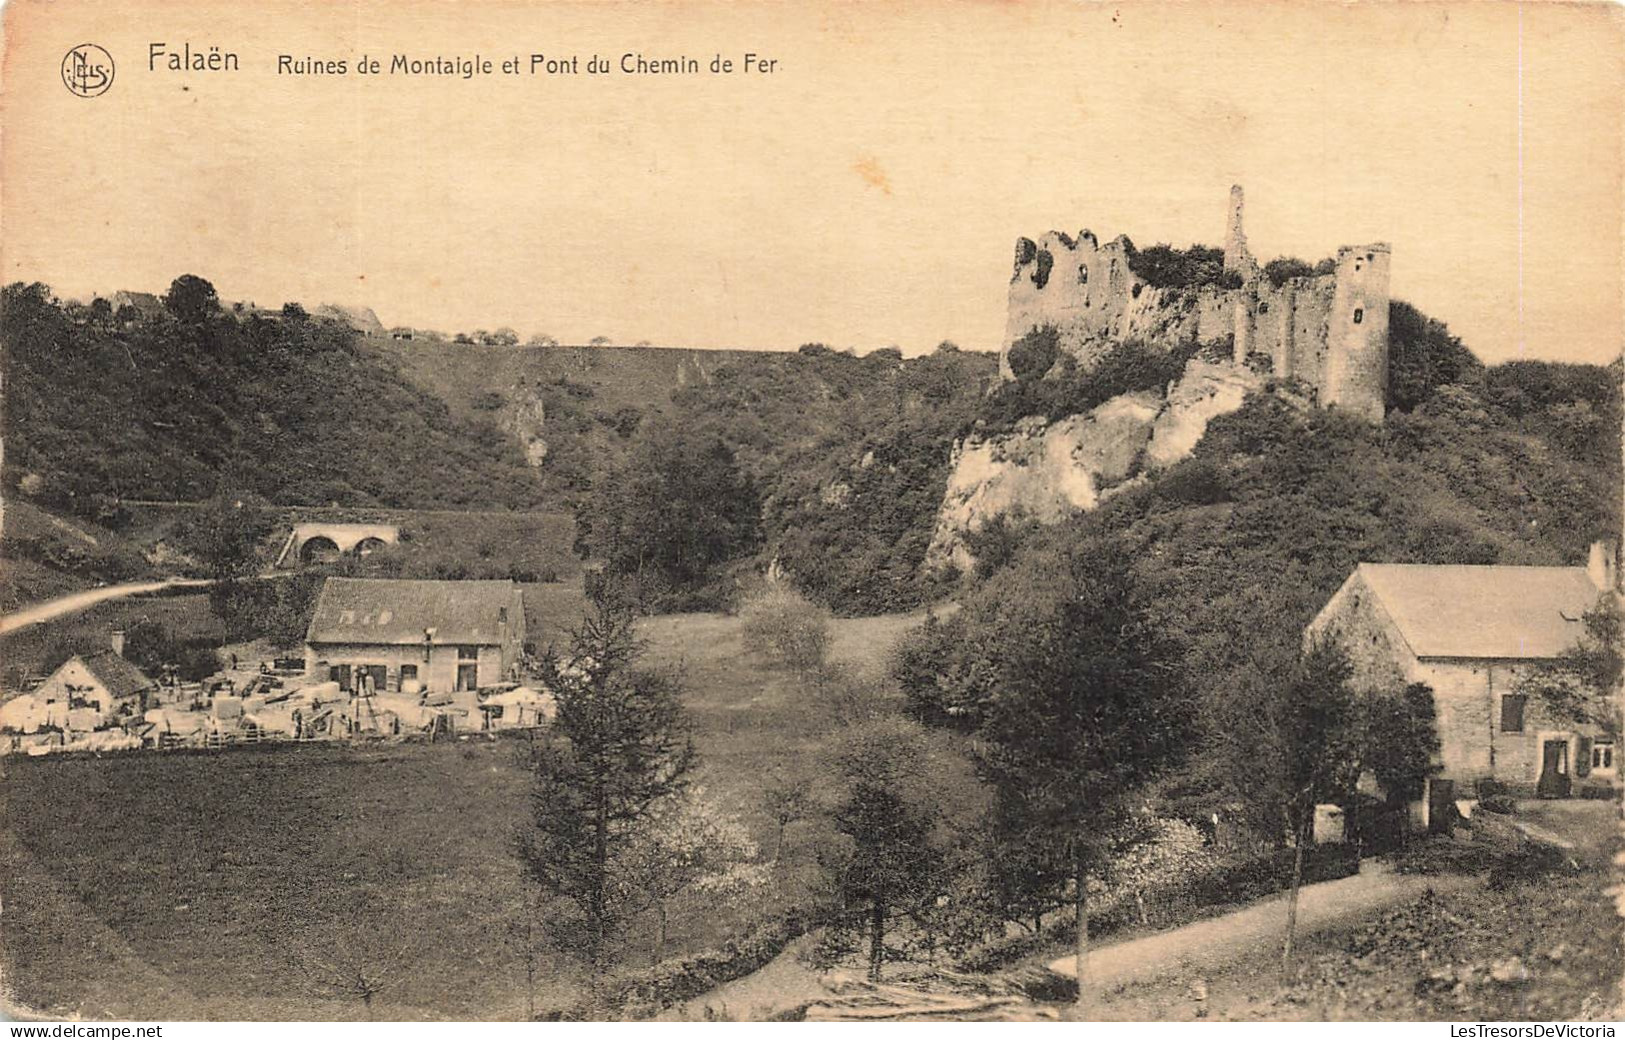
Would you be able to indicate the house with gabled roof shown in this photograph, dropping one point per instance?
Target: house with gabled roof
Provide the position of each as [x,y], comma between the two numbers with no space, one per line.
[88,691]
[1470,633]
[382,634]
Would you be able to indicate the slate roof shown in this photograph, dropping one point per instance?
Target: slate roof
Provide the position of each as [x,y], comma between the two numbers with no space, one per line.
[1483,612]
[118,676]
[395,611]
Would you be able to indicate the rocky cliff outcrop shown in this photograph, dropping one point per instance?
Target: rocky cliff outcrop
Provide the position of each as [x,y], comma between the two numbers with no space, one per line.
[1051,470]
[525,419]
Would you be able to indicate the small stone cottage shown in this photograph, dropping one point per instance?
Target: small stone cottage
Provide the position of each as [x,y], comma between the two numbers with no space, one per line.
[89,691]
[1470,633]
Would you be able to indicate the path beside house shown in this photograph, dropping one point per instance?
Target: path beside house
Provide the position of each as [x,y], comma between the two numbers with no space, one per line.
[1199,946]
[77,601]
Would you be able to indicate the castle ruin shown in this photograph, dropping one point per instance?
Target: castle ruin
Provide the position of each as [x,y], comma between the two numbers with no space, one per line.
[1328,332]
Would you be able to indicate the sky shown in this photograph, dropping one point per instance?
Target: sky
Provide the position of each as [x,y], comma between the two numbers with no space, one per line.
[868,191]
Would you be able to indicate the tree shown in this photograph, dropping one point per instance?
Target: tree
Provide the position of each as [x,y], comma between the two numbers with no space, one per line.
[617,751]
[890,870]
[541,339]
[1583,683]
[688,846]
[191,299]
[787,799]
[1088,705]
[1291,739]
[1156,853]
[670,514]
[504,337]
[1400,740]
[224,533]
[599,341]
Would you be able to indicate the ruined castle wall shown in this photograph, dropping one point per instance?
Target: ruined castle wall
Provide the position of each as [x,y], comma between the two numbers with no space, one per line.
[1215,313]
[1328,331]
[1089,293]
[1311,304]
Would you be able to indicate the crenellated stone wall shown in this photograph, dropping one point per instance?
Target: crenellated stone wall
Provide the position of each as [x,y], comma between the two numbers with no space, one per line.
[1329,331]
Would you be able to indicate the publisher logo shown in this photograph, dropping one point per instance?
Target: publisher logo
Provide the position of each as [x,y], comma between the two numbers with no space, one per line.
[87,70]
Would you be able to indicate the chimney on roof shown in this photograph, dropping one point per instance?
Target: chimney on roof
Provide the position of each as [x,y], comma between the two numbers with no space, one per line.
[1602,568]
[117,641]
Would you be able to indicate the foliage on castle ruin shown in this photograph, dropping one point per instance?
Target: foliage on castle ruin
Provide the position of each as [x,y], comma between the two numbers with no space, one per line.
[1284,268]
[1163,267]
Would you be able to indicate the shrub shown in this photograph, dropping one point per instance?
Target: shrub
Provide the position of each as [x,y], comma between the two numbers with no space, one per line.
[1530,863]
[782,624]
[1165,267]
[1601,792]
[1498,803]
[1034,353]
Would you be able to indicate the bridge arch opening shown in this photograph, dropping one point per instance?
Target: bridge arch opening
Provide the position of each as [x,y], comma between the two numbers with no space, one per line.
[319,549]
[368,546]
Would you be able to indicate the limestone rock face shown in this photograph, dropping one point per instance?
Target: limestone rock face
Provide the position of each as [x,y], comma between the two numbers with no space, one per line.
[1051,470]
[524,420]
[1048,470]
[1205,391]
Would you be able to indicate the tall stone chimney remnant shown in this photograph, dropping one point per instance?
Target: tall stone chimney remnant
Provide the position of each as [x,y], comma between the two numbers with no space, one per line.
[1236,256]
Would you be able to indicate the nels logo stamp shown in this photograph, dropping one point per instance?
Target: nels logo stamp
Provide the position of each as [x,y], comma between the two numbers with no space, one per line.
[87,70]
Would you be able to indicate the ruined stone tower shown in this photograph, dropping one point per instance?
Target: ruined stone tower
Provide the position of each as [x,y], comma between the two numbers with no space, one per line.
[1356,373]
[1236,256]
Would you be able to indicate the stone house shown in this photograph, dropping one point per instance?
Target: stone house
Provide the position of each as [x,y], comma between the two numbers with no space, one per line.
[1470,633]
[88,691]
[442,635]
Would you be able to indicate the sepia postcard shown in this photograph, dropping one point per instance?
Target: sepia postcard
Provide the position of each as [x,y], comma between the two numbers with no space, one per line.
[604,512]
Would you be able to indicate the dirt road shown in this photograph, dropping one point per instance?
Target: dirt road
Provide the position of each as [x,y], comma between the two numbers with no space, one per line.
[77,601]
[1200,946]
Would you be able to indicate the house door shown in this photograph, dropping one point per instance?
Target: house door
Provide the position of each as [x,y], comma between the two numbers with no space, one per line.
[467,676]
[339,673]
[1554,770]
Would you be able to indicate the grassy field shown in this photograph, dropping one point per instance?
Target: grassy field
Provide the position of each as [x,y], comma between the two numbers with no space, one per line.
[239,884]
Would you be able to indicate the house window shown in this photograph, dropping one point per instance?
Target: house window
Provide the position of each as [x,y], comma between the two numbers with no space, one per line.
[1083,274]
[468,653]
[1359,315]
[1263,308]
[409,672]
[1602,755]
[1512,713]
